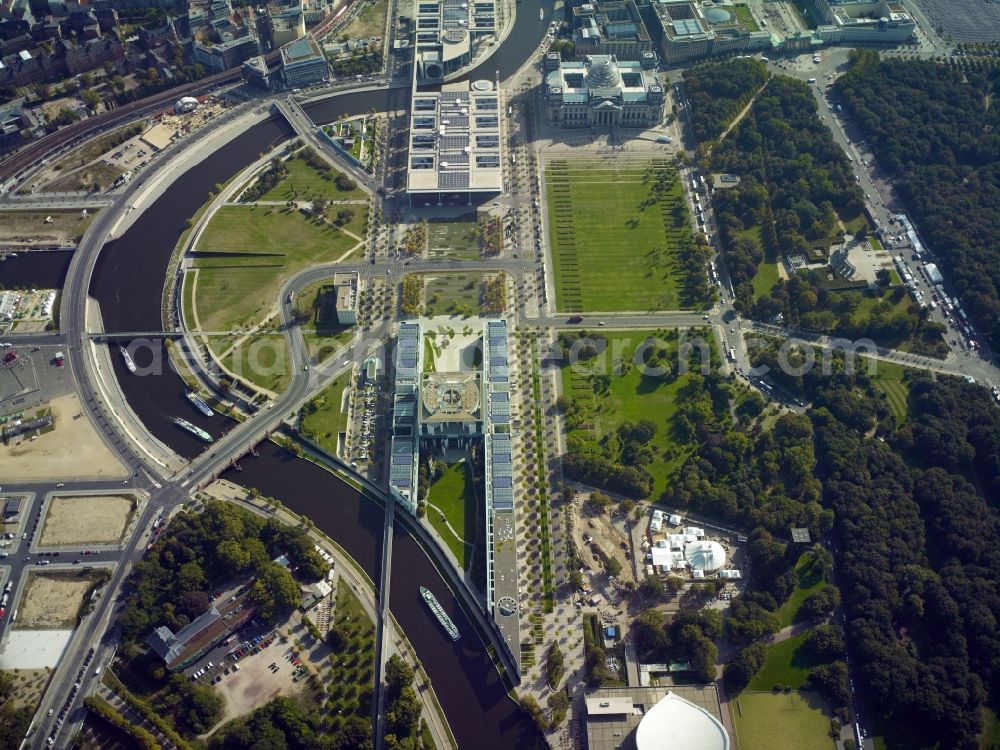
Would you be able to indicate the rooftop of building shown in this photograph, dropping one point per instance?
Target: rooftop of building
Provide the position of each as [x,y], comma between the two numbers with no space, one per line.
[455,139]
[302,49]
[604,75]
[688,717]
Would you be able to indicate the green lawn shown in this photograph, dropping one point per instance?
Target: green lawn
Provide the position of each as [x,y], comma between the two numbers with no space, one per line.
[264,359]
[888,378]
[787,663]
[990,738]
[780,721]
[855,225]
[322,419]
[304,183]
[765,278]
[743,14]
[455,238]
[455,496]
[633,396]
[609,251]
[246,253]
[453,294]
[351,668]
[322,334]
[810,579]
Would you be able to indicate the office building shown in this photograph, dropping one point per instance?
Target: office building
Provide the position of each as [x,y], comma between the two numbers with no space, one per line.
[455,152]
[257,74]
[303,63]
[613,27]
[688,30]
[228,54]
[449,33]
[346,286]
[454,405]
[863,21]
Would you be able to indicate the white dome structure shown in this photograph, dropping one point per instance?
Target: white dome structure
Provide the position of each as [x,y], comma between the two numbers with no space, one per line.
[678,724]
[705,556]
[185,104]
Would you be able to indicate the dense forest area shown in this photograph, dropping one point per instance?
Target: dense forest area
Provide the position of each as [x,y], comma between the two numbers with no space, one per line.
[756,478]
[717,91]
[918,561]
[909,509]
[795,184]
[920,565]
[200,552]
[934,132]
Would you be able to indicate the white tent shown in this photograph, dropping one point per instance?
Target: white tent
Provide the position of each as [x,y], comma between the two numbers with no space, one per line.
[706,556]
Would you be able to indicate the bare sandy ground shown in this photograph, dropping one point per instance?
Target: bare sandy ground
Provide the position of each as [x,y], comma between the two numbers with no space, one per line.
[86,519]
[254,685]
[72,450]
[52,600]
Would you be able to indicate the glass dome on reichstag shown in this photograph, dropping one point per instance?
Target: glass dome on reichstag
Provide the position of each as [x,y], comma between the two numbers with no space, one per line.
[601,74]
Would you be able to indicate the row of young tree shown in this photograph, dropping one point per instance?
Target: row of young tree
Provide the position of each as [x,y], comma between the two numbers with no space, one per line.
[934,132]
[618,461]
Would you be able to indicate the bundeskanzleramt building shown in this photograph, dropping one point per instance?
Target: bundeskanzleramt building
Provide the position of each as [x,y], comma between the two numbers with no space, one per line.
[454,410]
[687,30]
[303,63]
[601,91]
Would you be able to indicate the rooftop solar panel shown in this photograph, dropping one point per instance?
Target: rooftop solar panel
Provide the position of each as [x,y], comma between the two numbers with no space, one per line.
[453,180]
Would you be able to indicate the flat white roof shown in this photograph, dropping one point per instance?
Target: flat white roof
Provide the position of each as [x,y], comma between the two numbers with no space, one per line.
[610,706]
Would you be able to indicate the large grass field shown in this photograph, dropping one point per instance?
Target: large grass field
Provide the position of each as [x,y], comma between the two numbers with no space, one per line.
[322,419]
[453,294]
[304,183]
[454,238]
[454,496]
[781,721]
[611,252]
[246,253]
[633,396]
[810,579]
[788,663]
